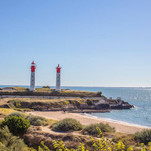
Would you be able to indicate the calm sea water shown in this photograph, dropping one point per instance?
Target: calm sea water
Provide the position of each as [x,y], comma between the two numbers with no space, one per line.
[139,97]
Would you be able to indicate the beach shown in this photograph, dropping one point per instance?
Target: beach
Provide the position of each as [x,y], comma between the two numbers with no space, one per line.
[87,120]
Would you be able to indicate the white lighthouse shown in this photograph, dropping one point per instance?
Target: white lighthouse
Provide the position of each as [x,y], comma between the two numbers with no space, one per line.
[58,69]
[32,80]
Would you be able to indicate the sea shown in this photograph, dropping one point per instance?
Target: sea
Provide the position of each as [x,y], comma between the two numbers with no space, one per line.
[138,96]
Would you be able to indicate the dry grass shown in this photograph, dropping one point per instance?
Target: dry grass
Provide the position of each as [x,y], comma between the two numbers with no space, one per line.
[4,111]
[41,100]
[49,91]
[20,88]
[43,89]
[51,121]
[77,92]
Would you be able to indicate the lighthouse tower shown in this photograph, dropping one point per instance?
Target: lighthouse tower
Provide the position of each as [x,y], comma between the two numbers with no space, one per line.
[32,80]
[58,69]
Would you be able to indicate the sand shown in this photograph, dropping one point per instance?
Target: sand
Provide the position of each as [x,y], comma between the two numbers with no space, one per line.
[86,120]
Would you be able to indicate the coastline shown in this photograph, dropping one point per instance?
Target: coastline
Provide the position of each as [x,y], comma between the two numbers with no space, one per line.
[85,119]
[117,121]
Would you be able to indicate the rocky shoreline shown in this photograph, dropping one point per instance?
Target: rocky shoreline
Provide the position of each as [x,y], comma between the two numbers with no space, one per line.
[71,104]
[64,100]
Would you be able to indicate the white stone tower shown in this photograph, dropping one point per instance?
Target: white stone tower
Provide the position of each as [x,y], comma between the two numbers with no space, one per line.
[58,69]
[32,80]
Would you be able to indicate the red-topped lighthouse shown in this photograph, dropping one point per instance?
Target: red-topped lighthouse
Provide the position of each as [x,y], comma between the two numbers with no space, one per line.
[32,80]
[58,70]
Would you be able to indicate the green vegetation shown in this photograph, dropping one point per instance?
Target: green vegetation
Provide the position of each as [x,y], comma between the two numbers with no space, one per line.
[101,144]
[16,103]
[10,142]
[67,125]
[92,129]
[40,104]
[18,114]
[126,139]
[47,91]
[37,120]
[143,137]
[16,124]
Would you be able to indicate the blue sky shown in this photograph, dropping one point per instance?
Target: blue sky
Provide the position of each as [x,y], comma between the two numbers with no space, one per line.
[97,42]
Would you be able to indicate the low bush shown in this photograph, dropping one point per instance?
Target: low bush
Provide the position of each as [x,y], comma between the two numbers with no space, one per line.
[143,137]
[10,142]
[37,120]
[15,114]
[67,125]
[92,129]
[16,124]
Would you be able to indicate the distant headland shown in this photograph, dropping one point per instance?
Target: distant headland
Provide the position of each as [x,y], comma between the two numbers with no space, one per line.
[47,99]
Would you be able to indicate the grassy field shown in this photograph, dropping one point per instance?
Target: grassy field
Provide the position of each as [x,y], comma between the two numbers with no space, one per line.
[49,92]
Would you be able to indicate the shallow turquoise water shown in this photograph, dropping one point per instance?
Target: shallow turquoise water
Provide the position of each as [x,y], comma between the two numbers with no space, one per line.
[139,97]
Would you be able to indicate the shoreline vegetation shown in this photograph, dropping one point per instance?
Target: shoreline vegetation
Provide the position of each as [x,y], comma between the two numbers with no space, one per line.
[55,120]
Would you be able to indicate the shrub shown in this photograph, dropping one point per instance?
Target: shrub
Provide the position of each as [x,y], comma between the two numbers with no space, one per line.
[15,114]
[16,124]
[92,129]
[10,142]
[143,137]
[66,125]
[36,120]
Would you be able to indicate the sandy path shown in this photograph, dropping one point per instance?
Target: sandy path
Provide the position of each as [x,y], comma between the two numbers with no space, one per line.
[85,120]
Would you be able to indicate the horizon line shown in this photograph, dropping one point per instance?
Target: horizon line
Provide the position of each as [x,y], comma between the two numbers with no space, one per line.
[82,86]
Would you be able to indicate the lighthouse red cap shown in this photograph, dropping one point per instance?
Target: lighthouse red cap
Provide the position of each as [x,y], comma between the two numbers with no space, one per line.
[33,62]
[33,67]
[58,69]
